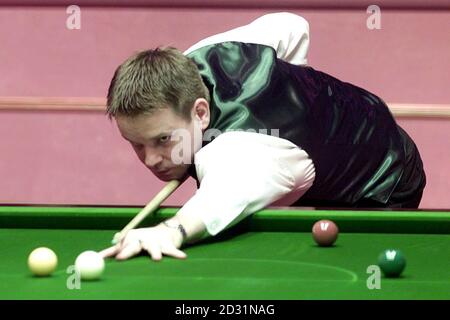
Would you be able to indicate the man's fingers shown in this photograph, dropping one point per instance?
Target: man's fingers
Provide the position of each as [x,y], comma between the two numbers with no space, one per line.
[130,250]
[153,241]
[174,252]
[153,249]
[109,252]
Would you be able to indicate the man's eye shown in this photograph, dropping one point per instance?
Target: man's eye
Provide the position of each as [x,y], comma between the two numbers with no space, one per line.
[164,139]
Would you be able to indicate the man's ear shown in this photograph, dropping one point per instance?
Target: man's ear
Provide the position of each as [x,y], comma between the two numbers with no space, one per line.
[200,112]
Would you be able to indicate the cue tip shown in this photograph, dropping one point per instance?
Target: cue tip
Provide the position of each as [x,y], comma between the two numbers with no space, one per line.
[115,239]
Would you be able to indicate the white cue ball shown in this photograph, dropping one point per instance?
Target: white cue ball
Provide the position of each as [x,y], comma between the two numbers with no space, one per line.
[89,265]
[42,261]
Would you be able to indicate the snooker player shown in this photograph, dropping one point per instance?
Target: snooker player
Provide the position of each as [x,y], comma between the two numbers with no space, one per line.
[243,114]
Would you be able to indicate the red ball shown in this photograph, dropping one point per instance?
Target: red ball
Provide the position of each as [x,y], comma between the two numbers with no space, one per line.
[325,232]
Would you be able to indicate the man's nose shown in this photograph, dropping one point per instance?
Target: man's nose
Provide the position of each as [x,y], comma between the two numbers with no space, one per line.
[152,158]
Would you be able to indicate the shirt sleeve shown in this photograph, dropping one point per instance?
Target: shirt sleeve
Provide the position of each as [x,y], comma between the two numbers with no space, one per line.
[241,173]
[287,33]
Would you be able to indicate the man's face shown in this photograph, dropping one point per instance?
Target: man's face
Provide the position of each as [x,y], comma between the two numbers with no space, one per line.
[151,136]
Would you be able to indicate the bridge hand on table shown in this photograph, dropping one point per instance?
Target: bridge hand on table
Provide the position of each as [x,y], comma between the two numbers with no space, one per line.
[157,241]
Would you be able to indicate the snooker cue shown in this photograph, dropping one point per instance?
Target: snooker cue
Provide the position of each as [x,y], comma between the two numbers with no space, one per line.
[168,189]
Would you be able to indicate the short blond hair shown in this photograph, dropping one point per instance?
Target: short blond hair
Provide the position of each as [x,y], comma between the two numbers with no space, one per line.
[153,79]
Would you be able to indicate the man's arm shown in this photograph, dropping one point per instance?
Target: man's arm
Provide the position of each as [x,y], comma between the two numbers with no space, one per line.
[286,32]
[240,173]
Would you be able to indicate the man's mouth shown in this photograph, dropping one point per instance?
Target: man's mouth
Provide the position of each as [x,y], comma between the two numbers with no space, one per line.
[163,172]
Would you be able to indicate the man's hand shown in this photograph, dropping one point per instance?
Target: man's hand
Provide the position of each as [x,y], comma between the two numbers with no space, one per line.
[157,241]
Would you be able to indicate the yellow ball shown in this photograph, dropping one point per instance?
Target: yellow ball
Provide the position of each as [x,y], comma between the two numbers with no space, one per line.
[42,262]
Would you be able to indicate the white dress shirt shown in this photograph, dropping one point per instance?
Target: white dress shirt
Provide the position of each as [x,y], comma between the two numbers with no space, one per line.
[286,32]
[243,172]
